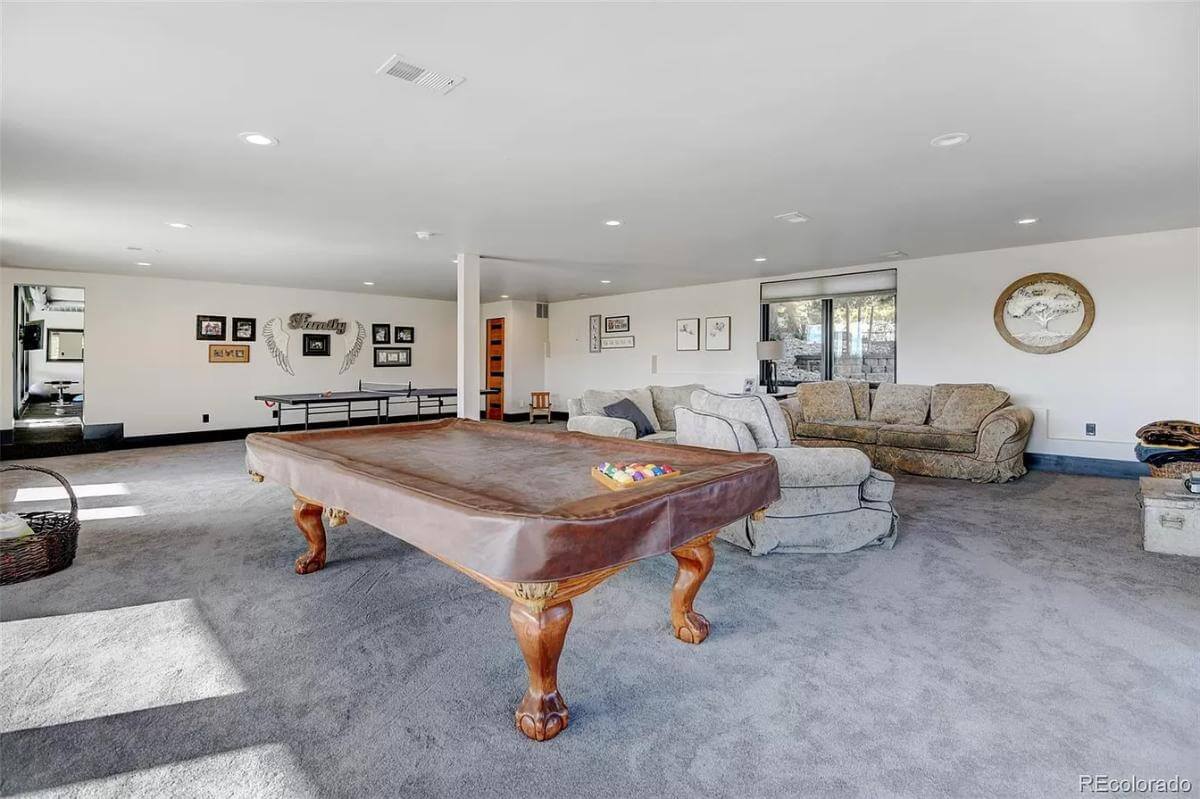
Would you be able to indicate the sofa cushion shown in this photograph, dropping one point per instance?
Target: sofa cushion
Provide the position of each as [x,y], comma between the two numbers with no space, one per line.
[862,431]
[922,436]
[665,398]
[696,428]
[968,406]
[760,413]
[900,404]
[626,409]
[860,391]
[942,391]
[663,436]
[826,401]
[594,402]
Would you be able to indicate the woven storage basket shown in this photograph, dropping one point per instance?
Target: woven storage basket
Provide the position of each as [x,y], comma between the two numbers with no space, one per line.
[52,545]
[1175,469]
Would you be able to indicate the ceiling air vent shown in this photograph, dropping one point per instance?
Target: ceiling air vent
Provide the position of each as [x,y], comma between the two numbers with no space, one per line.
[398,67]
[543,310]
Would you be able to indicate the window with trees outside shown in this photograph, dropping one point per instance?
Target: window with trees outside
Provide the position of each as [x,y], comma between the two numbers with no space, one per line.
[829,334]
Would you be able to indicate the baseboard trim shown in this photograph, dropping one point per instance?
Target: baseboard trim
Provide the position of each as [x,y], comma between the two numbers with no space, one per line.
[1089,467]
[559,416]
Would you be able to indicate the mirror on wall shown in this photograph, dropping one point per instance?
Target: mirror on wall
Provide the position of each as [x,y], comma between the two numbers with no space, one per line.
[64,345]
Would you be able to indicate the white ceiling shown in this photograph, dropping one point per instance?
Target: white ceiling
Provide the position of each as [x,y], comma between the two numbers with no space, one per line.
[694,124]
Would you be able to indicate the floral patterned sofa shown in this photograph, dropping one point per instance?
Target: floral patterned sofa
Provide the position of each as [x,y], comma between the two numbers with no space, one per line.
[964,430]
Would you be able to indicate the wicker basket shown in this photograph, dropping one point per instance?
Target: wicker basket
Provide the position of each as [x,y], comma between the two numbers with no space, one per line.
[1175,469]
[52,545]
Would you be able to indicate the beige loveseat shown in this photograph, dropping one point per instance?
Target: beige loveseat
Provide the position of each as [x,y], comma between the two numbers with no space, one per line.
[964,430]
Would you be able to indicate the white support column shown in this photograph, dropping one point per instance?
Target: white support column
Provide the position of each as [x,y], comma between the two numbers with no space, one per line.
[469,336]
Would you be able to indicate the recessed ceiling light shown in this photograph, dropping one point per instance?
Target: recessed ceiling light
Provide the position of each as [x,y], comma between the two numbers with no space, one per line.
[179,225]
[1027,220]
[259,139]
[759,259]
[950,140]
[894,254]
[605,281]
[425,235]
[368,282]
[795,217]
[143,263]
[613,222]
[504,296]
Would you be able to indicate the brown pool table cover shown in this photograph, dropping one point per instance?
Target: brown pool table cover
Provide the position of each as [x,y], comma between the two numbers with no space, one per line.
[514,503]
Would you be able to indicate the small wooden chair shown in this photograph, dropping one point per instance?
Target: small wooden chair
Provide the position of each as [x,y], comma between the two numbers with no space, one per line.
[539,405]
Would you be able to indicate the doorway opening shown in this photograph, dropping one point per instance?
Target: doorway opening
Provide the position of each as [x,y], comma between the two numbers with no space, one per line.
[48,355]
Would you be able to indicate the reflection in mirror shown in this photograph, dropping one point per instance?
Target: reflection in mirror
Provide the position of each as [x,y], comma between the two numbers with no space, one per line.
[64,345]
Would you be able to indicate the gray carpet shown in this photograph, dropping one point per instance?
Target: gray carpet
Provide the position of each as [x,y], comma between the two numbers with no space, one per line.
[1015,638]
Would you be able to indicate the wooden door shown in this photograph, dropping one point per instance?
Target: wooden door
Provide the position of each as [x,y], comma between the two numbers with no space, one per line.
[495,368]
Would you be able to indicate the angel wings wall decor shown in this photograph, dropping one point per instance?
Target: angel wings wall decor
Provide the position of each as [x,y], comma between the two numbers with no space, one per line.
[278,341]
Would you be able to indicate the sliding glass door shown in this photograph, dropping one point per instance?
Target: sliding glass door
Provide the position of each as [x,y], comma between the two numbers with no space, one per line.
[864,338]
[832,336]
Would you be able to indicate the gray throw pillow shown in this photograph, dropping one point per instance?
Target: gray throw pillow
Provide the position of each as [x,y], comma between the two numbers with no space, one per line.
[628,409]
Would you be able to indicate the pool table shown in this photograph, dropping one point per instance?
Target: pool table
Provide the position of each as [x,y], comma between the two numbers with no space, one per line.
[519,511]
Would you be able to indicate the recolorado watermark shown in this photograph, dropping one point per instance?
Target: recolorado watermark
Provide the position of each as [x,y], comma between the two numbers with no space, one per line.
[1103,783]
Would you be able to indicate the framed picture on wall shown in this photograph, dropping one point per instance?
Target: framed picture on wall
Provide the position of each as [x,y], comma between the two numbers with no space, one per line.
[594,333]
[229,353]
[687,334]
[404,334]
[243,329]
[616,343]
[716,332]
[210,328]
[380,334]
[316,343]
[393,356]
[616,324]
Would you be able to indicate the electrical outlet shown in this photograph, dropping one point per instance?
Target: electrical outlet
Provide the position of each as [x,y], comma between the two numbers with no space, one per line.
[204,418]
[1089,429]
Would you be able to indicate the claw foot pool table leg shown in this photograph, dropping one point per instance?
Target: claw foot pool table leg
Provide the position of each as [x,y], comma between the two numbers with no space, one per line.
[542,713]
[308,518]
[695,560]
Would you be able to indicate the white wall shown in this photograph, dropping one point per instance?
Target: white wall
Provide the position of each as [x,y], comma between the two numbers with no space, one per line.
[1141,360]
[40,369]
[146,369]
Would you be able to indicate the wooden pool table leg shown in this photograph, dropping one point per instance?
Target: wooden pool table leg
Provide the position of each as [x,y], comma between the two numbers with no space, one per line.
[695,559]
[308,518]
[542,713]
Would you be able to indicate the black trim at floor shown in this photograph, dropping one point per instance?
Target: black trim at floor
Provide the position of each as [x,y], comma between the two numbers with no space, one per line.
[1088,467]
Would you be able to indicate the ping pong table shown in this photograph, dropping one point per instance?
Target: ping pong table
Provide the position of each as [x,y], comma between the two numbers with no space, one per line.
[376,396]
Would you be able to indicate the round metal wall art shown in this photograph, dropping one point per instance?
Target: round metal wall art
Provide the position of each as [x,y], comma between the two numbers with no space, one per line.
[1044,313]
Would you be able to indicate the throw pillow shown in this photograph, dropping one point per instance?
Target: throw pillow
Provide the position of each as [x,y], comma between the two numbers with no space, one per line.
[968,406]
[760,413]
[595,401]
[628,409]
[900,404]
[828,401]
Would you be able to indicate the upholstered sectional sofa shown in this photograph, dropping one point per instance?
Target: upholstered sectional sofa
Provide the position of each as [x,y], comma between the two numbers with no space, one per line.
[831,499]
[962,430]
